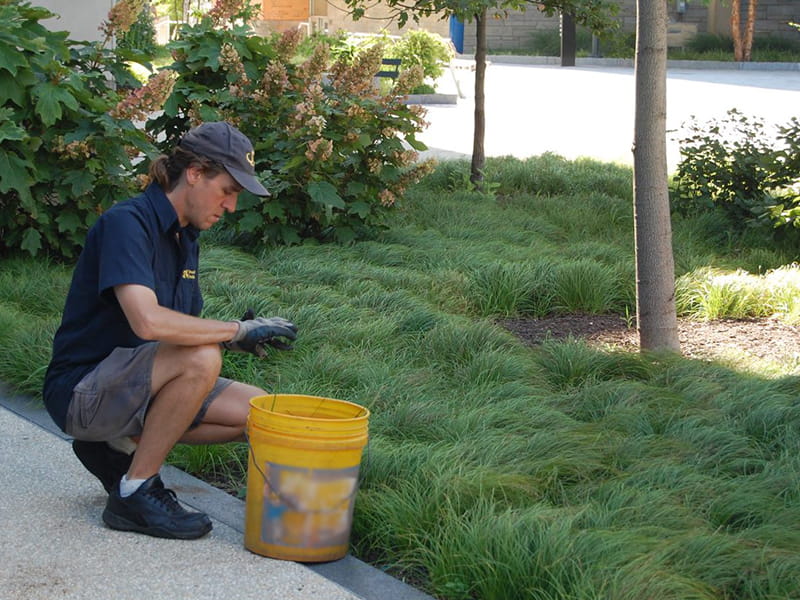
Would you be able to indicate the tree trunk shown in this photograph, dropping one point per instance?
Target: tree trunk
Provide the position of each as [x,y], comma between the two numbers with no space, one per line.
[750,27]
[736,30]
[655,270]
[479,133]
[568,40]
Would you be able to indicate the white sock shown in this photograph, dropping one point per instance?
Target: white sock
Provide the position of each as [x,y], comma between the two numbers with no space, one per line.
[129,486]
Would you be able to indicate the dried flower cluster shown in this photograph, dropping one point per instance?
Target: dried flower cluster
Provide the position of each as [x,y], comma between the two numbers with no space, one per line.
[227,11]
[409,79]
[287,44]
[387,197]
[121,17]
[143,180]
[319,149]
[357,79]
[230,61]
[139,103]
[275,80]
[313,68]
[77,150]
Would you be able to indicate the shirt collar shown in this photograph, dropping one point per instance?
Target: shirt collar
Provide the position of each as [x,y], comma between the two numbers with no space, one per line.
[165,212]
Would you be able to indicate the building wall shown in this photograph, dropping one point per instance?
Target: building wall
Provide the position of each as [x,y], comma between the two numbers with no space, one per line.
[514,31]
[81,18]
[378,19]
[773,15]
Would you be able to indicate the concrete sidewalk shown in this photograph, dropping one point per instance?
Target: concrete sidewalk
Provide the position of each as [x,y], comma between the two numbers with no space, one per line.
[53,543]
[588,110]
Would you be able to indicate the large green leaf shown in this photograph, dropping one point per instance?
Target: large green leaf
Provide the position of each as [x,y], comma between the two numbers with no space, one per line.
[11,89]
[325,194]
[355,188]
[14,175]
[250,221]
[80,182]
[68,222]
[274,210]
[31,241]
[8,129]
[360,208]
[50,98]
[11,59]
[415,143]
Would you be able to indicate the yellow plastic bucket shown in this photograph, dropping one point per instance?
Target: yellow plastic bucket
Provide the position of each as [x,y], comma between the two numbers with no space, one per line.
[302,475]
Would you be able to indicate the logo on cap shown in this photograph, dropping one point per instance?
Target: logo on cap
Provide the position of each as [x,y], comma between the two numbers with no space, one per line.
[251,158]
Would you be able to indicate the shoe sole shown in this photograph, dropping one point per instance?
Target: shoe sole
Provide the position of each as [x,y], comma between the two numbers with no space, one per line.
[123,524]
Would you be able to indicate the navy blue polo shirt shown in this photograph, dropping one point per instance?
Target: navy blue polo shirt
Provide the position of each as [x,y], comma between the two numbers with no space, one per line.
[138,241]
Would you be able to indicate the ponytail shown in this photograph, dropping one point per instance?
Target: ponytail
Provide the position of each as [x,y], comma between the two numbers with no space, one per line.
[167,170]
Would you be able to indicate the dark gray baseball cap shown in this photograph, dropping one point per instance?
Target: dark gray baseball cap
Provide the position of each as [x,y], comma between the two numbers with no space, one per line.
[223,143]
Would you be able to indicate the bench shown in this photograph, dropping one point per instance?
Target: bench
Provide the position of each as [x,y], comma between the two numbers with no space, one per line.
[387,71]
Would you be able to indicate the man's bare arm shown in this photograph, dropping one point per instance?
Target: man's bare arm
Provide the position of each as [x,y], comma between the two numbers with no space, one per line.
[151,321]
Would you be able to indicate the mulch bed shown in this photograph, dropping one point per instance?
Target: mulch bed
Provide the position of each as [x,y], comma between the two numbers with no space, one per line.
[761,338]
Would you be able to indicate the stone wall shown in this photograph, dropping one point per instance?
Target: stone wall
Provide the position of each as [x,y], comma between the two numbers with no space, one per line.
[773,16]
[513,32]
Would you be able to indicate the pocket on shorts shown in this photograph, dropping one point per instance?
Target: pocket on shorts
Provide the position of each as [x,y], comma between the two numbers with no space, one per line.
[82,411]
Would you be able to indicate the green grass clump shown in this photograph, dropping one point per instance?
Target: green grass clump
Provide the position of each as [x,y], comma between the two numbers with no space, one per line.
[496,470]
[707,294]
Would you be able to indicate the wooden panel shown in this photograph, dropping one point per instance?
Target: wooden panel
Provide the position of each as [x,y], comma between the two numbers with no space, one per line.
[285,10]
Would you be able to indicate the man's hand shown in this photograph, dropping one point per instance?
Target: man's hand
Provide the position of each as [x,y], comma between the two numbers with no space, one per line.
[254,333]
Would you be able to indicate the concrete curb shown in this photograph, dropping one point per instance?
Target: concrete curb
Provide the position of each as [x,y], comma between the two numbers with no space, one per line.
[510,59]
[353,575]
[432,99]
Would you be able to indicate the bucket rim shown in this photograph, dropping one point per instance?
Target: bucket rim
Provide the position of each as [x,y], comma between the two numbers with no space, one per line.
[363,414]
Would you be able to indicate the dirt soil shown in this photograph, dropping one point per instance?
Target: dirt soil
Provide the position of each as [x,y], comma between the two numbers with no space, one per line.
[761,338]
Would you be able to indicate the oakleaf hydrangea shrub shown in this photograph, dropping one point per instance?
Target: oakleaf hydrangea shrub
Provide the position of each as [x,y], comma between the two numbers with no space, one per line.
[69,147]
[335,153]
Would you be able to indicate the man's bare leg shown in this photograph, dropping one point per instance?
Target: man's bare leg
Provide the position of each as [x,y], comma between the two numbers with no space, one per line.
[226,417]
[182,378]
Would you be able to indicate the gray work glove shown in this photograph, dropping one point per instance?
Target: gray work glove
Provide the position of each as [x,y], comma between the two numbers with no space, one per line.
[254,333]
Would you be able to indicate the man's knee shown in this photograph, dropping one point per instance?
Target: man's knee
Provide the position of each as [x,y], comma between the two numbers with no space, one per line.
[202,363]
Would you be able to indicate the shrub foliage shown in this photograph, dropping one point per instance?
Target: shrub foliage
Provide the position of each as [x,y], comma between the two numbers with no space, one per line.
[63,159]
[737,165]
[329,146]
[77,128]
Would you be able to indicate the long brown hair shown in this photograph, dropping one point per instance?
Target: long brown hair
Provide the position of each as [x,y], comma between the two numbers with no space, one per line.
[166,170]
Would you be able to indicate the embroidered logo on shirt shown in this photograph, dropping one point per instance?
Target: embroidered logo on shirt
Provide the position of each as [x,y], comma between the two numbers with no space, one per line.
[189,274]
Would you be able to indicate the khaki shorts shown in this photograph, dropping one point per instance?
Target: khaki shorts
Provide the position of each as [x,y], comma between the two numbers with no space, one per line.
[111,401]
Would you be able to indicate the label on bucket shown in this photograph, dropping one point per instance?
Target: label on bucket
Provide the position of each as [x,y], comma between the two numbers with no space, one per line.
[308,508]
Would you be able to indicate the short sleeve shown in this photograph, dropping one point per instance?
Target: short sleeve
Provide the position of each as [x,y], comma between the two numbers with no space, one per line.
[126,249]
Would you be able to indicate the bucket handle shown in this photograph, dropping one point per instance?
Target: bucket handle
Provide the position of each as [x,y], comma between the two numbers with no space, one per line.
[287,501]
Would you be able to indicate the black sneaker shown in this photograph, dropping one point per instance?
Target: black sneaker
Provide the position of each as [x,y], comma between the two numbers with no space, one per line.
[154,510]
[102,461]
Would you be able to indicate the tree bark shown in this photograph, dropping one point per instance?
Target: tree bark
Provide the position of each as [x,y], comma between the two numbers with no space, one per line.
[568,40]
[479,132]
[655,270]
[750,27]
[736,30]
[743,39]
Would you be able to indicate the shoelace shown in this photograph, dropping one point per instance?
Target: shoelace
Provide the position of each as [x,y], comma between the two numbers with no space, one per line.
[168,499]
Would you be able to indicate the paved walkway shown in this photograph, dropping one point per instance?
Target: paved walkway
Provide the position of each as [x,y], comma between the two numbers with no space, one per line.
[53,544]
[588,110]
